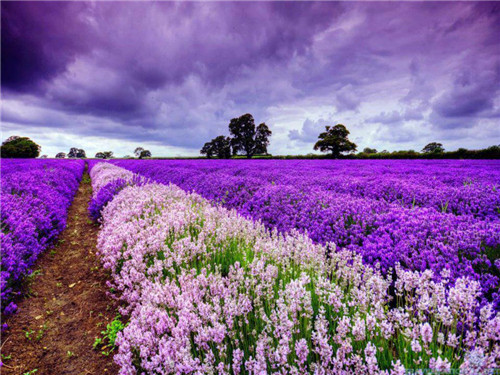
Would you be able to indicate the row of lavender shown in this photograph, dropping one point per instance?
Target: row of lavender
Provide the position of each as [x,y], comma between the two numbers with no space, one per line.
[456,186]
[35,197]
[422,214]
[208,291]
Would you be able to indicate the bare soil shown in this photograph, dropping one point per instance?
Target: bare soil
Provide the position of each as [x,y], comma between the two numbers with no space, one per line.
[65,305]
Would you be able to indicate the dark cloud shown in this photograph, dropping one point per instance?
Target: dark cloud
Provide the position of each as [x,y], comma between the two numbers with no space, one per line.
[472,92]
[38,41]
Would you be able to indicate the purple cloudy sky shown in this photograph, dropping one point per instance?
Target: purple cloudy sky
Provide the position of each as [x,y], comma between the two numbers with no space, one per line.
[169,76]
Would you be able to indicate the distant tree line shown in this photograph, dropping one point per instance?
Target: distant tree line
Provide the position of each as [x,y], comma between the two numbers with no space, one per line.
[492,152]
[139,152]
[250,141]
[245,139]
[23,147]
[335,141]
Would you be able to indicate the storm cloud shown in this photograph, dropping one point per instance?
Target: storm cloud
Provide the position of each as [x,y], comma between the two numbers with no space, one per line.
[170,75]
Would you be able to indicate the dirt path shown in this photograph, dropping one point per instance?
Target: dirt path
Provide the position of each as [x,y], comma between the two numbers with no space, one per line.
[66,305]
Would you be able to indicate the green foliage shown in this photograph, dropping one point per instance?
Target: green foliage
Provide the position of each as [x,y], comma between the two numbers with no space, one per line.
[242,130]
[145,154]
[368,150]
[262,139]
[77,153]
[41,331]
[86,179]
[433,148]
[28,334]
[142,153]
[19,147]
[245,139]
[107,341]
[104,155]
[335,140]
[492,152]
[219,146]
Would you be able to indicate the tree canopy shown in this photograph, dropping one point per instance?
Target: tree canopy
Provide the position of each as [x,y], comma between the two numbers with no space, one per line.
[335,140]
[219,146]
[368,150]
[137,151]
[433,148]
[19,147]
[145,154]
[77,153]
[104,155]
[242,130]
[245,139]
[141,153]
[60,155]
[262,138]
[207,149]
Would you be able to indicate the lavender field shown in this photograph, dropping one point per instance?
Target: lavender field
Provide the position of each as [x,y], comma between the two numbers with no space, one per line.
[250,187]
[302,266]
[35,197]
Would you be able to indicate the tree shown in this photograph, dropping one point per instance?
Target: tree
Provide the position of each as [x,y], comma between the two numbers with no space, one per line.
[433,148]
[137,151]
[222,147]
[104,155]
[262,138]
[141,153]
[368,150]
[19,147]
[219,146]
[77,153]
[43,157]
[243,131]
[60,155]
[245,138]
[145,154]
[335,140]
[207,149]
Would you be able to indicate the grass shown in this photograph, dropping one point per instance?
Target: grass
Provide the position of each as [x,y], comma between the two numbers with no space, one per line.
[86,179]
[107,342]
[28,334]
[41,331]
